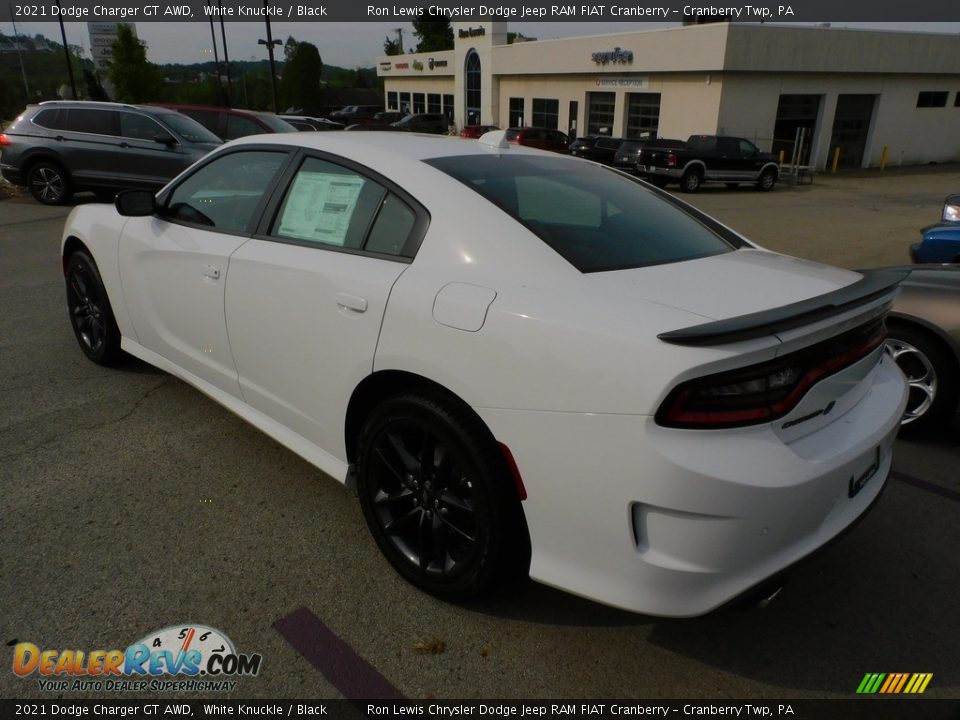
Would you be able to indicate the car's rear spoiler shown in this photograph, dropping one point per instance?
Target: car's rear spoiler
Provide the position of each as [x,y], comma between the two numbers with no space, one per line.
[874,284]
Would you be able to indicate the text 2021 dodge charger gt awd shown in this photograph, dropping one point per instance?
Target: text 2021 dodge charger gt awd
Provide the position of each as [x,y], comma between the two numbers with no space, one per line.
[526,363]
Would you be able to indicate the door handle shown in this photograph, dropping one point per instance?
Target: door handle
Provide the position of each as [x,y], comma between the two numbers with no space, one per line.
[211,271]
[351,302]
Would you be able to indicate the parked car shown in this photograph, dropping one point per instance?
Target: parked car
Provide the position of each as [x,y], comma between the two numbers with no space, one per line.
[373,127]
[628,154]
[530,363]
[233,123]
[58,148]
[433,123]
[540,138]
[600,148]
[924,340]
[353,114]
[310,124]
[475,131]
[386,117]
[708,158]
[940,243]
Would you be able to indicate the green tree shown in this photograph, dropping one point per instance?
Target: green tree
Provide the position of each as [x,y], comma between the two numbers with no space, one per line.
[300,83]
[135,79]
[95,90]
[434,35]
[391,47]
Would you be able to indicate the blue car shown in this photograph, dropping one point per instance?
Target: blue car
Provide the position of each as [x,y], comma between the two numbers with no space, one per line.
[941,242]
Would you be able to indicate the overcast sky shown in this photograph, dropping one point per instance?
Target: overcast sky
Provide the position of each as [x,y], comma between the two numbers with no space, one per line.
[348,45]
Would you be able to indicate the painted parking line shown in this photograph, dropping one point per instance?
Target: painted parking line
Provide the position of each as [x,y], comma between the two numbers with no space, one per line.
[928,486]
[350,674]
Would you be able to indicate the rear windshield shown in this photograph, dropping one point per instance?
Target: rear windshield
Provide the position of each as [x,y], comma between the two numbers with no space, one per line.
[188,128]
[276,124]
[596,218]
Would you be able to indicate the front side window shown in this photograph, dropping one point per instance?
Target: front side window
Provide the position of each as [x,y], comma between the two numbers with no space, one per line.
[225,193]
[139,127]
[333,206]
[596,218]
[188,128]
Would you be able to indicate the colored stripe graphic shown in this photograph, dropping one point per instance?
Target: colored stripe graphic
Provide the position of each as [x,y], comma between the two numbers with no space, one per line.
[894,683]
[349,673]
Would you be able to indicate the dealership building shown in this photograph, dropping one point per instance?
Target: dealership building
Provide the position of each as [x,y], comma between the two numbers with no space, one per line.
[872,94]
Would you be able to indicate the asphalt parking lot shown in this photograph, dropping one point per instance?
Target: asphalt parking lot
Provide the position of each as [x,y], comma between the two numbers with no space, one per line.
[131,502]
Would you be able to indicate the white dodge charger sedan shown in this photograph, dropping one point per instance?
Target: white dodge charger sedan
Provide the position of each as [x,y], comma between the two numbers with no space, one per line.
[526,364]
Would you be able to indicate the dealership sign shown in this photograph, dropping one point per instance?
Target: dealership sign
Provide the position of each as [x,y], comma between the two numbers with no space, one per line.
[616,55]
[623,82]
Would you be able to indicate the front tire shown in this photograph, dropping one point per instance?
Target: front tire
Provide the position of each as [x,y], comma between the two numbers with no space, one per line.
[91,316]
[931,374]
[766,181]
[49,183]
[438,498]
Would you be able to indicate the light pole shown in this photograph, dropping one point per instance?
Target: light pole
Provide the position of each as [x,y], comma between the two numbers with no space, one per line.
[270,42]
[23,72]
[216,58]
[226,56]
[66,52]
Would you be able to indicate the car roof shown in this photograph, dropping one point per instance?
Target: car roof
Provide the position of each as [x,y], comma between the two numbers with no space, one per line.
[411,146]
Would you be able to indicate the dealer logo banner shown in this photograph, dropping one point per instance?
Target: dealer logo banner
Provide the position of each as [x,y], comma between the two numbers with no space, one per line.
[179,658]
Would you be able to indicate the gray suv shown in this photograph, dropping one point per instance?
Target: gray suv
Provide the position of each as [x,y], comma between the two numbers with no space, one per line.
[61,147]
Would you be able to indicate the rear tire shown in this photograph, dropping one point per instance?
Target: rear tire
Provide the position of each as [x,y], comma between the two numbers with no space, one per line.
[691,181]
[438,497]
[49,183]
[91,316]
[932,374]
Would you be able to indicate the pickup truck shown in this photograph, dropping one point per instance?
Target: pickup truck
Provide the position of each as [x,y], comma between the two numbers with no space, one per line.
[705,158]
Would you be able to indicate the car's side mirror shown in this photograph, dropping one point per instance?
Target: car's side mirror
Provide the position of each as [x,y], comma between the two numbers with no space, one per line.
[163,139]
[135,203]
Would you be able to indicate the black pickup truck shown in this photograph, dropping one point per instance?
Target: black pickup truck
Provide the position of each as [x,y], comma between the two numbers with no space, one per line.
[705,158]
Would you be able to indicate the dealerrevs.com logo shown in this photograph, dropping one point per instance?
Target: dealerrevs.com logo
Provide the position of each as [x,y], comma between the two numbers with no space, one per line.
[179,658]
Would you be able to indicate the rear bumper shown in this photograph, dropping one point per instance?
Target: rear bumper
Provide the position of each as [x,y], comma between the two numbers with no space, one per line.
[678,522]
[654,171]
[11,174]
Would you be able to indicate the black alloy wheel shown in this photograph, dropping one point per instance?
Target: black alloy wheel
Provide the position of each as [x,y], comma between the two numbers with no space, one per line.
[91,316]
[437,496]
[49,184]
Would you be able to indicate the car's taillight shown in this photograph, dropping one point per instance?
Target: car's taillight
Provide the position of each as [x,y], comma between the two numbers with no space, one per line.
[4,140]
[671,160]
[767,391]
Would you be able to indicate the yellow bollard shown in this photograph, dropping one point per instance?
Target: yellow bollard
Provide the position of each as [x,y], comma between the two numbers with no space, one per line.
[883,157]
[781,157]
[836,160]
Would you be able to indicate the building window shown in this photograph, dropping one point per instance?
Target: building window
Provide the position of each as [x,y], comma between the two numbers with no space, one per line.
[392,101]
[448,108]
[930,99]
[516,113]
[433,103]
[600,109]
[405,102]
[546,113]
[643,115]
[956,100]
[473,80]
[419,104]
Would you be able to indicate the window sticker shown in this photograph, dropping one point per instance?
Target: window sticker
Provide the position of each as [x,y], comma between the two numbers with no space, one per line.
[319,207]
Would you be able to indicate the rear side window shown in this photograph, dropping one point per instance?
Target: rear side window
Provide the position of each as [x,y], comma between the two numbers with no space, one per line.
[335,207]
[95,122]
[596,218]
[53,119]
[225,193]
